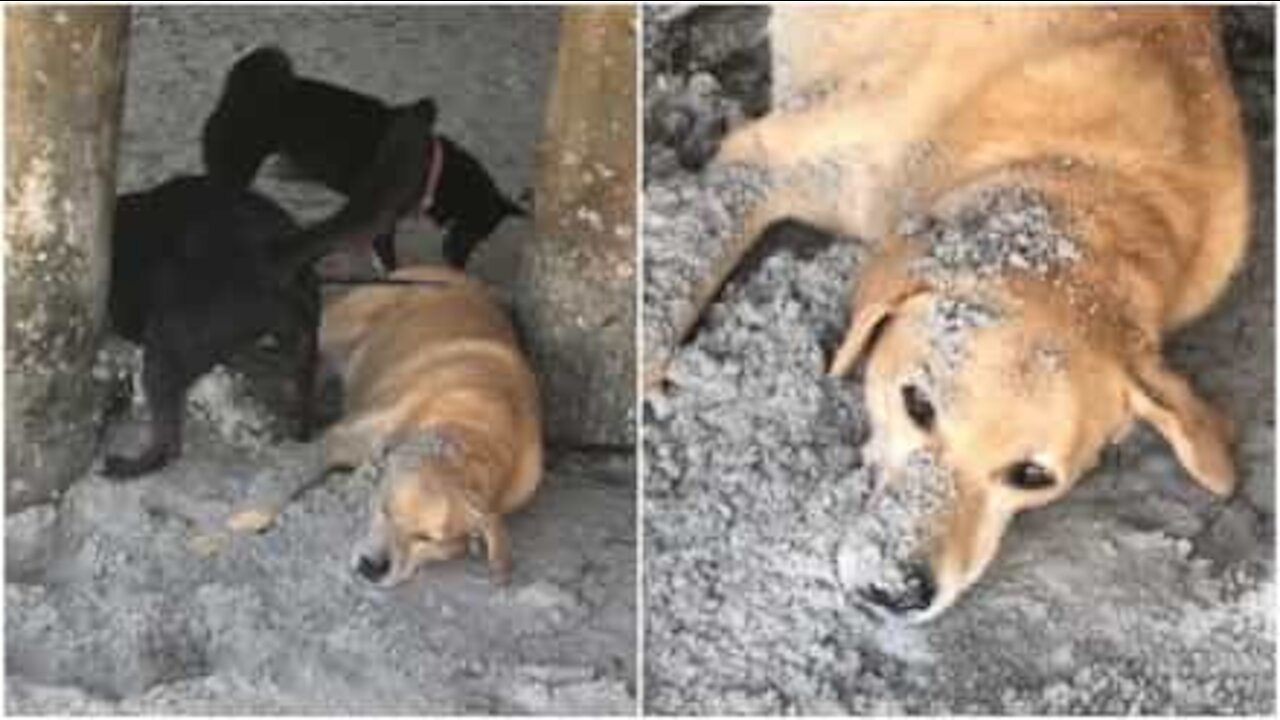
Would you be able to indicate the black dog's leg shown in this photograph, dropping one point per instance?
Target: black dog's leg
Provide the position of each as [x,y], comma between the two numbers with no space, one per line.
[384,246]
[306,363]
[166,392]
[458,244]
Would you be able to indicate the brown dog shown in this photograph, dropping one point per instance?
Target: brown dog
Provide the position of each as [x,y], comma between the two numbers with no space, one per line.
[1051,191]
[436,389]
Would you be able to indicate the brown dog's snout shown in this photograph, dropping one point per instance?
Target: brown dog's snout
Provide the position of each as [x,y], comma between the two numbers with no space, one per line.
[885,559]
[373,569]
[915,590]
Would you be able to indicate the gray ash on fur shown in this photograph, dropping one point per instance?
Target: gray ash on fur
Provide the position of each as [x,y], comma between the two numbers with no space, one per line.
[406,453]
[999,230]
[421,445]
[950,321]
[949,324]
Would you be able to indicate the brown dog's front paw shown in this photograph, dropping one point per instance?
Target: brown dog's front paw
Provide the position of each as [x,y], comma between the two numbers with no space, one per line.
[500,573]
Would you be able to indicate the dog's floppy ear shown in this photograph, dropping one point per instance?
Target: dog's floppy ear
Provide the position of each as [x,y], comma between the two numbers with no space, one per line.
[499,547]
[1198,433]
[885,284]
[494,533]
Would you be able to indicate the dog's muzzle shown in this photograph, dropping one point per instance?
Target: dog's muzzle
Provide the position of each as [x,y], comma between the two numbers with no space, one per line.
[883,559]
[913,594]
[373,569]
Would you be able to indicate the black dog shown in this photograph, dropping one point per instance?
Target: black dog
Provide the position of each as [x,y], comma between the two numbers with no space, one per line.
[328,134]
[201,269]
[186,285]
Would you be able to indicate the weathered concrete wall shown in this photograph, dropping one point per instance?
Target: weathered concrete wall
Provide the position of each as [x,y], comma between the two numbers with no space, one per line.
[63,89]
[576,288]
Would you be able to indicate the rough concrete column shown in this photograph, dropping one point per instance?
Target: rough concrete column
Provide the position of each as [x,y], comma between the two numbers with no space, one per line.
[576,290]
[64,74]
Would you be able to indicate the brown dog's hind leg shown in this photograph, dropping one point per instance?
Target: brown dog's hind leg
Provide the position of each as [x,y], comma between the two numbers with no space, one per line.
[744,193]
[758,182]
[344,450]
[772,206]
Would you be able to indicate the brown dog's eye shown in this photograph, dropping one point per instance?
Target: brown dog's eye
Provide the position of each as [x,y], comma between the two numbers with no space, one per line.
[919,409]
[1028,476]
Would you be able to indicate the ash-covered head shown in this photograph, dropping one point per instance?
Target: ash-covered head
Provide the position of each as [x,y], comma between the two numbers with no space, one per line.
[999,231]
[419,446]
[948,325]
[414,515]
[1013,407]
[884,558]
[406,455]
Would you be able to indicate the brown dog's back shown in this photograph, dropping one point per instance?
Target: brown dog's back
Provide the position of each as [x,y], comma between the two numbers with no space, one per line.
[912,102]
[412,356]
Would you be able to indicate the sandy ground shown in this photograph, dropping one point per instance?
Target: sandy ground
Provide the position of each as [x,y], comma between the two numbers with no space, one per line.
[129,598]
[1137,593]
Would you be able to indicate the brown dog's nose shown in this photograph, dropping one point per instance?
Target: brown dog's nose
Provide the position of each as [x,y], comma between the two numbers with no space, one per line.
[915,592]
[373,569]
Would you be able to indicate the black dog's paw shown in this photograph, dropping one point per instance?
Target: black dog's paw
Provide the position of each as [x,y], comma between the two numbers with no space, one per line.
[117,467]
[302,431]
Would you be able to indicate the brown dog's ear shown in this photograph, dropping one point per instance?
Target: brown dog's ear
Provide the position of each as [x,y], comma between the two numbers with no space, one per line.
[885,284]
[499,547]
[1199,435]
[494,532]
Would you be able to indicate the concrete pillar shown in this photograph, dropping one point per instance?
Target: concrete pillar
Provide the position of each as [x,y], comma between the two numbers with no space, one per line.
[64,83]
[576,287]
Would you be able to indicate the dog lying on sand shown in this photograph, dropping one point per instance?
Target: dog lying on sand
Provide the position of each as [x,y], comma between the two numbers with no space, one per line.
[201,269]
[438,397]
[1051,191]
[328,134]
[434,380]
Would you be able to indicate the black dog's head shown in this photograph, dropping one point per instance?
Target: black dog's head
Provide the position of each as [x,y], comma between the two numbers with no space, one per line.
[245,126]
[394,179]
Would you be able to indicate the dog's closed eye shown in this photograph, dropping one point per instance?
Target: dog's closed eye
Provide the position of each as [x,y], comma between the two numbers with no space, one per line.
[1028,476]
[918,407]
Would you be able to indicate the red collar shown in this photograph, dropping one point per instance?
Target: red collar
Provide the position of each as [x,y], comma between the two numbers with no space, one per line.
[433,176]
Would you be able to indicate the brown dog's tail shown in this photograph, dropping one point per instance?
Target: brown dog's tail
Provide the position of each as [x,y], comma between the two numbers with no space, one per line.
[389,188]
